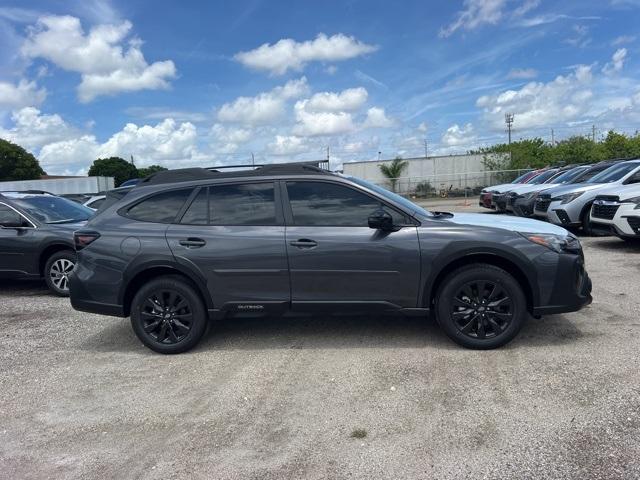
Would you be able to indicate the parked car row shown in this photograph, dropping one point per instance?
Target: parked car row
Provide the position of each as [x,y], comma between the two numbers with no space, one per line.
[602,197]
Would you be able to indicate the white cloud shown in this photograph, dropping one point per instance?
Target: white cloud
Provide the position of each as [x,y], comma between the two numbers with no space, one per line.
[474,14]
[320,123]
[377,118]
[538,104]
[32,130]
[522,73]
[617,62]
[264,108]
[527,6]
[622,39]
[287,145]
[580,36]
[423,127]
[457,136]
[24,94]
[107,67]
[347,100]
[229,139]
[287,54]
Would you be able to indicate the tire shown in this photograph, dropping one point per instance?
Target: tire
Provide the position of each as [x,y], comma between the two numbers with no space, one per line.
[631,240]
[168,315]
[460,310]
[586,222]
[56,271]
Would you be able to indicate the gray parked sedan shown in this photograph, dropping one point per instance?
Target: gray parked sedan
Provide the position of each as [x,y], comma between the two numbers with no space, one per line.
[185,246]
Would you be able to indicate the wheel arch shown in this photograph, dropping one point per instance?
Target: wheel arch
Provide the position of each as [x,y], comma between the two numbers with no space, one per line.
[49,250]
[507,264]
[148,272]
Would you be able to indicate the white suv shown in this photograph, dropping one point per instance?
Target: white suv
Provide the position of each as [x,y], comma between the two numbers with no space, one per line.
[618,209]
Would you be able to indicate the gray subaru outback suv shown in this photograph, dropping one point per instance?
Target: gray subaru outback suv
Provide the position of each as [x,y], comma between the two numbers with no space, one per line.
[186,246]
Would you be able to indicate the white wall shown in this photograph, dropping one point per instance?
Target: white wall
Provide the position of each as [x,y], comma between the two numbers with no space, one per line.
[62,185]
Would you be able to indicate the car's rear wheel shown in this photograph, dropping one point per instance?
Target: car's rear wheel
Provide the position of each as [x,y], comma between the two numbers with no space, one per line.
[168,315]
[586,222]
[57,270]
[481,306]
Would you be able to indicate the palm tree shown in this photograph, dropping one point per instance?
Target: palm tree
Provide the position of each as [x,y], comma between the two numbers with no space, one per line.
[393,170]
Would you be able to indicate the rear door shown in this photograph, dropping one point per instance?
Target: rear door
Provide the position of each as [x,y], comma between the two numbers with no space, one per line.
[234,234]
[334,256]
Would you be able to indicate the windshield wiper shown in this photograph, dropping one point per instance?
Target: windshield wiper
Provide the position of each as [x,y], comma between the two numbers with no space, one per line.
[66,220]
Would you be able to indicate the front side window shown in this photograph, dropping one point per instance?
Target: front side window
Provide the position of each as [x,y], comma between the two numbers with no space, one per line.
[160,208]
[328,204]
[615,173]
[242,204]
[9,217]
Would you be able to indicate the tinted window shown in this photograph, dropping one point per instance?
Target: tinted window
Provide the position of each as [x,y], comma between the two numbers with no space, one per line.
[543,177]
[96,203]
[160,208]
[328,204]
[242,204]
[197,213]
[9,216]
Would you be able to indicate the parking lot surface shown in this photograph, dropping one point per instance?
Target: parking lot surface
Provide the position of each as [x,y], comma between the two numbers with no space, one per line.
[325,397]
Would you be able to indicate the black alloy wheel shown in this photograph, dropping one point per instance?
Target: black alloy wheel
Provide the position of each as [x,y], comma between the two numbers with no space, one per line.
[481,306]
[168,314]
[482,309]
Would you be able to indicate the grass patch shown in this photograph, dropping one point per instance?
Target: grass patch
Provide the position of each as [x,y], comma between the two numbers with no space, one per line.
[359,433]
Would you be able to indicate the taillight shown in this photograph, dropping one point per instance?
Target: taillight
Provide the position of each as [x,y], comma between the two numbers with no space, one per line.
[84,238]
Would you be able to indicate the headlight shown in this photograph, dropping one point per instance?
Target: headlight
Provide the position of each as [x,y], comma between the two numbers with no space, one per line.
[569,197]
[531,195]
[635,200]
[553,242]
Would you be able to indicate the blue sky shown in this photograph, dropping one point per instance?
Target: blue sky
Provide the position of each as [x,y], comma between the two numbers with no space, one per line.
[209,83]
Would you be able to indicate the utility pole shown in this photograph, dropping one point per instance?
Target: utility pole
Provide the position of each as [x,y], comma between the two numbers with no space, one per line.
[253,160]
[593,133]
[508,119]
[379,153]
[328,153]
[426,148]
[553,139]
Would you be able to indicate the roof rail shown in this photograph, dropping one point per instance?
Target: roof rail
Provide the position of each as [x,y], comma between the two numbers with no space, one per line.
[199,173]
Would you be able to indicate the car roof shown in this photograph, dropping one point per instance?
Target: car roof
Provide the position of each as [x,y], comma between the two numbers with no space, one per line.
[25,194]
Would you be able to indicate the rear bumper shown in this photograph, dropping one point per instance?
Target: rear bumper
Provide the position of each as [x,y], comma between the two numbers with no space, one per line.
[571,289]
[81,299]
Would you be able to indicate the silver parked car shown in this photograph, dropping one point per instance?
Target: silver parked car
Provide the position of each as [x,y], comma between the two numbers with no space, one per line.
[570,205]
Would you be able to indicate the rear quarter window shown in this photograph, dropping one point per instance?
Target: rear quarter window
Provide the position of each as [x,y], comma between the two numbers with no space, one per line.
[159,208]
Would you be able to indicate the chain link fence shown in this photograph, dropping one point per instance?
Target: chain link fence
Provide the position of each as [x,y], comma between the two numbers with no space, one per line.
[449,185]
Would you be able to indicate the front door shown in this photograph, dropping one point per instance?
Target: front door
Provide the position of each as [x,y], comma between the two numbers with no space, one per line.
[17,245]
[334,257]
[234,235]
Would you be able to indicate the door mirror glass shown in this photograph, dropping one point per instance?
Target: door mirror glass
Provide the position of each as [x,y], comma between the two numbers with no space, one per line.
[381,220]
[9,218]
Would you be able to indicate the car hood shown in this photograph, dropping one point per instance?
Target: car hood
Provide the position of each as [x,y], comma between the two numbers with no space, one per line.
[576,187]
[514,224]
[522,189]
[622,191]
[501,188]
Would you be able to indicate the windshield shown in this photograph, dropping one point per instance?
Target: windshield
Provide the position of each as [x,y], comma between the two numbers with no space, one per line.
[52,209]
[615,173]
[569,175]
[543,177]
[390,195]
[522,177]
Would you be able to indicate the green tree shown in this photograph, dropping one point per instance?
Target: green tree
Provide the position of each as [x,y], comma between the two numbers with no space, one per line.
[394,170]
[617,145]
[576,150]
[115,167]
[17,164]
[146,171]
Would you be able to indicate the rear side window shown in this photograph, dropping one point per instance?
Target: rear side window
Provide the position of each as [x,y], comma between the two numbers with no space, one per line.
[242,204]
[160,208]
[328,204]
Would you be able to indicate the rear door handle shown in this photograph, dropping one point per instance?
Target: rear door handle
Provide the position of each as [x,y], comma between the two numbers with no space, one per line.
[304,243]
[192,242]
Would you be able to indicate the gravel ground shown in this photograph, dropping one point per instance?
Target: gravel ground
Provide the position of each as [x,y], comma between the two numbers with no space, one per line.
[80,397]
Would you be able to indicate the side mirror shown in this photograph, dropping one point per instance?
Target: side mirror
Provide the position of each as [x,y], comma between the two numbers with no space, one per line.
[381,220]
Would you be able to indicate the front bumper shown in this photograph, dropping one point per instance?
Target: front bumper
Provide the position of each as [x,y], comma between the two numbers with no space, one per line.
[485,200]
[524,206]
[624,222]
[564,215]
[571,288]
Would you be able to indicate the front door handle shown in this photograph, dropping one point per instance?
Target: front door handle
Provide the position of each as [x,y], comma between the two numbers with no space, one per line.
[192,242]
[304,243]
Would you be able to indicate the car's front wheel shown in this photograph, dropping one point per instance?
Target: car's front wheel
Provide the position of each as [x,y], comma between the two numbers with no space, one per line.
[57,270]
[168,315]
[481,306]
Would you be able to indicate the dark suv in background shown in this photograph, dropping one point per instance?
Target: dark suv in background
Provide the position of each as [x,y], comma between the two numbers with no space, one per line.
[185,246]
[36,237]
